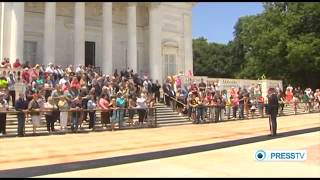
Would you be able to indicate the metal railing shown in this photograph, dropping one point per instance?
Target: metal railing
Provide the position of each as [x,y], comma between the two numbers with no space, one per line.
[173,101]
[148,121]
[208,113]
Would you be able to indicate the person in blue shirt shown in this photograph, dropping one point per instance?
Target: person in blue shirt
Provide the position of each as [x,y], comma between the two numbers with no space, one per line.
[120,102]
[91,105]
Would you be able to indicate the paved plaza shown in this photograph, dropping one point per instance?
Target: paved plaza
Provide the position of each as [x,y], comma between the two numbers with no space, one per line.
[207,150]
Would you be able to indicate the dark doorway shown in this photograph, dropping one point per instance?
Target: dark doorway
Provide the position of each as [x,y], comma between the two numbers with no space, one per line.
[90,48]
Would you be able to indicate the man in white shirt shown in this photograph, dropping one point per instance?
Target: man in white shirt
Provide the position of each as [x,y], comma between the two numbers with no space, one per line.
[12,92]
[50,68]
[142,111]
[63,80]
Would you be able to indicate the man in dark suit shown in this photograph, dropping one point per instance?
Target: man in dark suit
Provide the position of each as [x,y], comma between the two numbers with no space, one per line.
[273,106]
[20,105]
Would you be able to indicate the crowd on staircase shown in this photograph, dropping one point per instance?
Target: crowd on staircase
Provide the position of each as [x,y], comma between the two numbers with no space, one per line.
[208,101]
[72,94]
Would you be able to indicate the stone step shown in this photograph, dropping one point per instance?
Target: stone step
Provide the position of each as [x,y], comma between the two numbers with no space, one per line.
[175,124]
[171,122]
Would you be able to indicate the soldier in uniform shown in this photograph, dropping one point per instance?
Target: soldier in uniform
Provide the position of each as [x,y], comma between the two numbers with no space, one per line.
[273,105]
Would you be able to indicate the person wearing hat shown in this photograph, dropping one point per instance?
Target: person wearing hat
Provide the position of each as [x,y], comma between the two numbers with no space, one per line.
[273,105]
[3,116]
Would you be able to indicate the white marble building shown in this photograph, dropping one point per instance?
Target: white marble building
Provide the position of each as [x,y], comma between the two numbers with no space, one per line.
[151,38]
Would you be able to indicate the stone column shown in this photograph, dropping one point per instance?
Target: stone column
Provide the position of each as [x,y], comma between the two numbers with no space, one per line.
[7,30]
[49,32]
[188,43]
[107,65]
[132,36]
[156,67]
[79,33]
[1,29]
[17,31]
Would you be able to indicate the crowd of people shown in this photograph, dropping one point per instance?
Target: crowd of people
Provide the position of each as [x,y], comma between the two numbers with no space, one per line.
[74,95]
[207,101]
[71,94]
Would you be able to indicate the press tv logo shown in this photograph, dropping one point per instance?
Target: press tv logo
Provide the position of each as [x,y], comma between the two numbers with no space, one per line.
[283,155]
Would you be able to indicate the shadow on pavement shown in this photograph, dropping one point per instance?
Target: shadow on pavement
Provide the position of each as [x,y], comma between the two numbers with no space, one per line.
[91,164]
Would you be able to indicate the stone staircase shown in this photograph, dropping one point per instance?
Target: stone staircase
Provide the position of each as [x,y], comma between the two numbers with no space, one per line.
[167,117]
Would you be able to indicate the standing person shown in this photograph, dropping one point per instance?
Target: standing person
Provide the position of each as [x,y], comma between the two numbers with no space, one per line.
[235,105]
[25,75]
[34,108]
[50,115]
[105,113]
[305,101]
[76,106]
[121,102]
[12,92]
[91,106]
[202,86]
[64,108]
[261,105]
[142,108]
[56,94]
[282,101]
[3,115]
[193,103]
[17,64]
[241,106]
[246,104]
[20,105]
[253,107]
[218,108]
[156,90]
[200,109]
[131,106]
[150,110]
[113,106]
[273,106]
[228,107]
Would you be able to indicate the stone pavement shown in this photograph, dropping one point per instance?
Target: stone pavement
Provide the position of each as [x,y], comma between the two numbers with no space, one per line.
[20,156]
[228,162]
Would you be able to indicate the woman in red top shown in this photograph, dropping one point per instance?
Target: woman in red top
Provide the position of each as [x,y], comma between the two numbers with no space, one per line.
[25,76]
[289,96]
[16,64]
[75,83]
[235,105]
